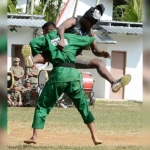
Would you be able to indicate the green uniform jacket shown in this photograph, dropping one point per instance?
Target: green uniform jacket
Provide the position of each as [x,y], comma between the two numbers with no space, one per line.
[68,55]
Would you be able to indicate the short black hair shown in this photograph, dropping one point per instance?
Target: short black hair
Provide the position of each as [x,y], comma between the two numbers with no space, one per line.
[48,24]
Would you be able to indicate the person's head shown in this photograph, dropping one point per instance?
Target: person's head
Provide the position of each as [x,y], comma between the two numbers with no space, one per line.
[15,87]
[48,27]
[16,61]
[92,16]
[27,82]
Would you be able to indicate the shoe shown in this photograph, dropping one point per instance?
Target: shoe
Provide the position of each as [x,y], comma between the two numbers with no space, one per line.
[121,83]
[26,52]
[30,141]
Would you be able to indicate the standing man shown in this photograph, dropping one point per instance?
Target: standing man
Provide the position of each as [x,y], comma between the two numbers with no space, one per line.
[32,74]
[18,72]
[64,78]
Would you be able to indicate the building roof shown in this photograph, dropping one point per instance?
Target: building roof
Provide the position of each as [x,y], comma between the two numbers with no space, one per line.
[114,27]
[104,38]
[25,22]
[24,16]
[126,30]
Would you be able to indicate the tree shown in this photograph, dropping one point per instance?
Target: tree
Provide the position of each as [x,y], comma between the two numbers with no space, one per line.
[11,7]
[49,8]
[134,11]
[131,11]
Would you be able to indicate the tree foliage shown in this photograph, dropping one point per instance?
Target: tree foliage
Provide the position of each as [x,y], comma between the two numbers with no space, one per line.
[130,12]
[52,10]
[11,6]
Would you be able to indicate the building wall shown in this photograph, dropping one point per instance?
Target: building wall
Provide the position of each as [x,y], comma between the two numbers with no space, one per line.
[133,45]
[23,36]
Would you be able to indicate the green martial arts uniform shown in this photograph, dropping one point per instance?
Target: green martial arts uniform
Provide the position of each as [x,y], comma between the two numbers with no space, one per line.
[62,79]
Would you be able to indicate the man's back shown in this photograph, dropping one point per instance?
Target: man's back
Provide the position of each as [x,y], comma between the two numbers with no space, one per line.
[68,55]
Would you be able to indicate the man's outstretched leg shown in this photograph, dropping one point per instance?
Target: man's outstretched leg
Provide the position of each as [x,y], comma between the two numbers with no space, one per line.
[86,62]
[103,72]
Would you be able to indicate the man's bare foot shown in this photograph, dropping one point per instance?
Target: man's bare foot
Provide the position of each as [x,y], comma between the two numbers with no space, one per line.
[30,141]
[96,141]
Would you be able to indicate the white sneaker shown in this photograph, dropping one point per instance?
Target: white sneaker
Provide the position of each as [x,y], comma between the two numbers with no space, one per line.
[26,52]
[121,83]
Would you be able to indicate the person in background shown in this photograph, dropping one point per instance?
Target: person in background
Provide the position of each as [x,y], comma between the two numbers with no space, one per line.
[26,90]
[18,72]
[33,98]
[14,98]
[32,73]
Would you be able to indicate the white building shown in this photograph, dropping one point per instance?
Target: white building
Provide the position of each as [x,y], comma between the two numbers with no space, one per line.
[27,28]
[122,40]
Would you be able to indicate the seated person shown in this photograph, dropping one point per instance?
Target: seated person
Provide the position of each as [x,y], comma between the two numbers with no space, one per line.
[14,98]
[26,89]
[33,98]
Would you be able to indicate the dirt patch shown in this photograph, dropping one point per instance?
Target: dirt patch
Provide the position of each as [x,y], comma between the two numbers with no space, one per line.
[16,137]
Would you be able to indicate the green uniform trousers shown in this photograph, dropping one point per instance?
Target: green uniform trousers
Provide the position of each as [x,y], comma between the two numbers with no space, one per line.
[51,93]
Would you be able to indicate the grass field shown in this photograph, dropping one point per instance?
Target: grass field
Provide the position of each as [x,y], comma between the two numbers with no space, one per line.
[119,126]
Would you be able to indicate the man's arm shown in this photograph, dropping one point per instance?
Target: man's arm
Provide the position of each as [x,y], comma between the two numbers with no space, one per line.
[9,98]
[28,73]
[96,51]
[22,74]
[61,29]
[36,73]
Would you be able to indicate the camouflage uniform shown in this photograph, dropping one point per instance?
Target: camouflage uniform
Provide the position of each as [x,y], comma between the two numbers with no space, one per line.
[33,98]
[34,79]
[15,96]
[26,92]
[17,70]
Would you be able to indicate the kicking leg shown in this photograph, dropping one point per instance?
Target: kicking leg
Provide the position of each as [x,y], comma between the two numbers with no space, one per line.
[101,69]
[29,60]
[85,62]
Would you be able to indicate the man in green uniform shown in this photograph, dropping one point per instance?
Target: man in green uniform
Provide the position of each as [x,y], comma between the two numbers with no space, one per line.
[14,98]
[17,71]
[64,78]
[32,74]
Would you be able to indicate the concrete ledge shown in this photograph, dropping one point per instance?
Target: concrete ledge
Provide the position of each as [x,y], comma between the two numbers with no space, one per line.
[103,99]
[121,100]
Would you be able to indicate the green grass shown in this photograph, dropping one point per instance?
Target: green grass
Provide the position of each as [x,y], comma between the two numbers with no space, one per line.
[111,118]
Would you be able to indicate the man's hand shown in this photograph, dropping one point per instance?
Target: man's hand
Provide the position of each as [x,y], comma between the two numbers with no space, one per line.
[105,54]
[61,44]
[12,103]
[19,103]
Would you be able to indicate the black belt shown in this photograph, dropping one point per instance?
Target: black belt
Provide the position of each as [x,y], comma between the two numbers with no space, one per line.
[71,65]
